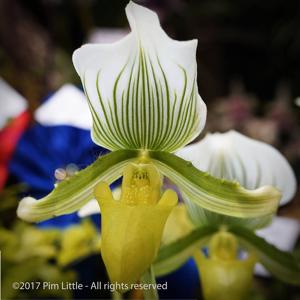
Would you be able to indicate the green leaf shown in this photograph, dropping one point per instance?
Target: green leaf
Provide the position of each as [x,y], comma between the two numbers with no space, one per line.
[281,264]
[217,195]
[175,254]
[71,194]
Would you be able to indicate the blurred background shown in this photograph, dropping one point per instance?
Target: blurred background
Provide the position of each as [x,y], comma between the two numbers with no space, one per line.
[248,75]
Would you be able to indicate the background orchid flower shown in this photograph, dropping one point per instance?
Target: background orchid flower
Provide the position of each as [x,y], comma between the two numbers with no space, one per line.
[144,102]
[223,275]
[252,163]
[231,155]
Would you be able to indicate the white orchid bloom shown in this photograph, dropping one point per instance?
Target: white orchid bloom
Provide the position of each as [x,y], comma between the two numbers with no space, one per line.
[252,163]
[143,97]
[233,156]
[144,101]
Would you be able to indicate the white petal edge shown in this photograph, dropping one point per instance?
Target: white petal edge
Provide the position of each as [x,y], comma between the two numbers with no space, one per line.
[67,106]
[142,89]
[234,156]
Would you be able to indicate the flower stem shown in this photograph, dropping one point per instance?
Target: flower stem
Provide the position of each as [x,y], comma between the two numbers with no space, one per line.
[149,278]
[116,296]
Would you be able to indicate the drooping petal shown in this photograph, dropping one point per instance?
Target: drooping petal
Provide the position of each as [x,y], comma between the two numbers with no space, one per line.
[142,90]
[252,163]
[201,216]
[71,194]
[216,195]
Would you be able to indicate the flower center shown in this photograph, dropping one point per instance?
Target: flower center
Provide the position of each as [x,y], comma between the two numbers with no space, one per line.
[141,184]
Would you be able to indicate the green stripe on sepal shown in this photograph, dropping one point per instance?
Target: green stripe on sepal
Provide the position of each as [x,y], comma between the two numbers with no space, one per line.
[71,194]
[175,254]
[217,195]
[281,264]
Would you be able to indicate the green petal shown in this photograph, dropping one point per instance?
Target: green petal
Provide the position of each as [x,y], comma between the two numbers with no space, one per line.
[201,217]
[217,195]
[175,254]
[71,194]
[280,263]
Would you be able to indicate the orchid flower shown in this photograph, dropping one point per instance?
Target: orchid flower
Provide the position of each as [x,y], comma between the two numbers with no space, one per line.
[144,101]
[252,163]
[223,275]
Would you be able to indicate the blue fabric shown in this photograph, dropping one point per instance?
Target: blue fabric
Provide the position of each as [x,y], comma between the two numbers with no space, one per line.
[43,149]
[184,283]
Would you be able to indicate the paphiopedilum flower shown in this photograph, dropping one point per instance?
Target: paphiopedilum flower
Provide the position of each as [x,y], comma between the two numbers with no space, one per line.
[223,274]
[252,163]
[144,101]
[232,156]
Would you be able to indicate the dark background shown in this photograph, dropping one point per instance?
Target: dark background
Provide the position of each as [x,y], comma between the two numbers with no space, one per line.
[255,41]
